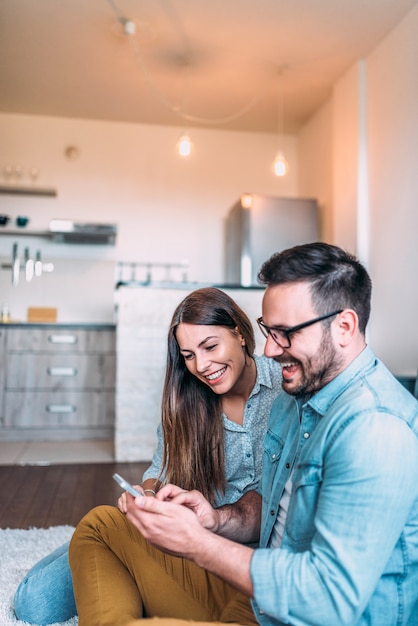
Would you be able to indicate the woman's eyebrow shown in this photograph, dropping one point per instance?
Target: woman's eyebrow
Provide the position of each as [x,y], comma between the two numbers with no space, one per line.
[202,343]
[210,338]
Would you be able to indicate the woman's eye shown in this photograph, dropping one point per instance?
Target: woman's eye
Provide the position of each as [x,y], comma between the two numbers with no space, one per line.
[187,357]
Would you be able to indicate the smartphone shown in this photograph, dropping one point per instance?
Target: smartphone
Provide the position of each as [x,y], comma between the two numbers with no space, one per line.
[127,486]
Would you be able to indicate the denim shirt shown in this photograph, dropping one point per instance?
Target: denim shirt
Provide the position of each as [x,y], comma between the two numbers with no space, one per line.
[243,443]
[350,546]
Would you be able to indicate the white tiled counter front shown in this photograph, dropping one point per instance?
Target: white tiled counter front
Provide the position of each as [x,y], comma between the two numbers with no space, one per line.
[143,318]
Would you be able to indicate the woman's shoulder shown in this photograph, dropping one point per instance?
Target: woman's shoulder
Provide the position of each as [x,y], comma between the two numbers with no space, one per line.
[269,372]
[267,364]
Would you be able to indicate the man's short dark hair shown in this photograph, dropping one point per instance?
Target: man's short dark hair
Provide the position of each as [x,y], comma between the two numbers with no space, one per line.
[337,279]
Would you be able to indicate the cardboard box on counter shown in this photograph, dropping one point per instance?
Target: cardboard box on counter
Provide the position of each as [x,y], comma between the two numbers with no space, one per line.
[42,314]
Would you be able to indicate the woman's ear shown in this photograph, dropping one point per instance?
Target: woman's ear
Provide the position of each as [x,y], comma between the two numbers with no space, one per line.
[239,335]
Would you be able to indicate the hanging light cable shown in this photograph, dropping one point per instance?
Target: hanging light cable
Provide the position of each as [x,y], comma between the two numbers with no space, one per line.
[130,28]
[280,165]
[184,144]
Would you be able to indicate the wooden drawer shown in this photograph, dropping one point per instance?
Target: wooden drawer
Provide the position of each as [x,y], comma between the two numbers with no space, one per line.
[60,371]
[49,409]
[60,340]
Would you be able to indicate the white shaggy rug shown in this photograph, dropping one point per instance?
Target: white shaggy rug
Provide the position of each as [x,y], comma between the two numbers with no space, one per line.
[19,550]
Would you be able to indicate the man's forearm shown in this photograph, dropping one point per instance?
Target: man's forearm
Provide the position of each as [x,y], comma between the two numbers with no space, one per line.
[227,559]
[241,520]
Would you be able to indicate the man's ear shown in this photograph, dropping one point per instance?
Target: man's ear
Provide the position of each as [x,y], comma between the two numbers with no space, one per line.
[346,327]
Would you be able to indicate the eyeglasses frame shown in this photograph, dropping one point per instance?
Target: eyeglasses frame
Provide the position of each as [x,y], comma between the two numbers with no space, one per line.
[267,330]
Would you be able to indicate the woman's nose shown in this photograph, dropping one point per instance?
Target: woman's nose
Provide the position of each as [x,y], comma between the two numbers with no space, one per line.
[202,363]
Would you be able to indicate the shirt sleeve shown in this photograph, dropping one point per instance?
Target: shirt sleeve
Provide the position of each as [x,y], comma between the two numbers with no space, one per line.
[154,469]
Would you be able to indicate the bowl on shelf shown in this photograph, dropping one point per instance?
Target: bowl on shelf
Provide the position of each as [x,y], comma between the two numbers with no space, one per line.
[22,221]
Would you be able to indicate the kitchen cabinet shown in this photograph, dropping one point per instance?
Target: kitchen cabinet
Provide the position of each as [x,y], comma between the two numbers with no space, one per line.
[57,382]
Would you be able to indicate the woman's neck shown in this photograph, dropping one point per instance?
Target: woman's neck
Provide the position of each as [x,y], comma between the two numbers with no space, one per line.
[233,402]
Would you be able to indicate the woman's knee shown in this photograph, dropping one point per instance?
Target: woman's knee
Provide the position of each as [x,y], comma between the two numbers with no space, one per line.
[95,524]
[45,595]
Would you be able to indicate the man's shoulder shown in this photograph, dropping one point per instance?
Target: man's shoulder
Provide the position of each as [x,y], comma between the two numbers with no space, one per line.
[374,390]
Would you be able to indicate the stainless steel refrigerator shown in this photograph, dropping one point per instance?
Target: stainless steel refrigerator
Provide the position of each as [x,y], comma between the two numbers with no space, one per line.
[257,226]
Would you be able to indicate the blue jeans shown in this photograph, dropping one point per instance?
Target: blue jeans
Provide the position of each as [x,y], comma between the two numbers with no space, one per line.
[45,595]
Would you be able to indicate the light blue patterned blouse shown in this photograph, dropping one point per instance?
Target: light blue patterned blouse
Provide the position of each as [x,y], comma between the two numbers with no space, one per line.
[243,444]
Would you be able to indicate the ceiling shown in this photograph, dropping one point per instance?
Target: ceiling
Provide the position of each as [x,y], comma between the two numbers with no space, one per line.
[253,65]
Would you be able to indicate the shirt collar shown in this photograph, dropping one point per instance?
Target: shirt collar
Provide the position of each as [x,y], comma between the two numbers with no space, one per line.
[325,397]
[264,373]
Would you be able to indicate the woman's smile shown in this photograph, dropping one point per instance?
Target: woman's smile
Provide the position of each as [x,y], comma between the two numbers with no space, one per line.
[215,376]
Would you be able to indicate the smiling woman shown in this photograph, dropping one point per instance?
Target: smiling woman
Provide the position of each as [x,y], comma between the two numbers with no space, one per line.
[211,375]
[216,404]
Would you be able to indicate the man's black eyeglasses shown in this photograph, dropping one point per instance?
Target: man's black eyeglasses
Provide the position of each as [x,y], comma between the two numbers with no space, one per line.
[282,336]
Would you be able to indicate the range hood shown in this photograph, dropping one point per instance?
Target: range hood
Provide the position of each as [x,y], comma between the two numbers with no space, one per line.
[69,231]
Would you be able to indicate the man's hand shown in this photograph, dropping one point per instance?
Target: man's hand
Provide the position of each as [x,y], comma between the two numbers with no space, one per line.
[194,500]
[183,523]
[170,522]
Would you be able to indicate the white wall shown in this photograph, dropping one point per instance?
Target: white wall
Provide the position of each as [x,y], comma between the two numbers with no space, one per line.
[315,165]
[392,143]
[167,209]
[393,172]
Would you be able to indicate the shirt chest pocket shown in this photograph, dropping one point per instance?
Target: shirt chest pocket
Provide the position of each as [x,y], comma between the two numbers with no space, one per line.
[273,449]
[306,485]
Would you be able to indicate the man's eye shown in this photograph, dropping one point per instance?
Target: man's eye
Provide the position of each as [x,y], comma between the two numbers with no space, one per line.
[211,347]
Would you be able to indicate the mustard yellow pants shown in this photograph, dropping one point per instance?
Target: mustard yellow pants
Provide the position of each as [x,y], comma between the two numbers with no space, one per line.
[120,579]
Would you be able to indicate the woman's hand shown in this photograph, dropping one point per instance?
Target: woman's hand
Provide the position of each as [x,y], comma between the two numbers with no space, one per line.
[123,499]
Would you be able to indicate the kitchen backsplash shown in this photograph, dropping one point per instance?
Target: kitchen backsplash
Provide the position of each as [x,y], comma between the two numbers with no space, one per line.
[82,290]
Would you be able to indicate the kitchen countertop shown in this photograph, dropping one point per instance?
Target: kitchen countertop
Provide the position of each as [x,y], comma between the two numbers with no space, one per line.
[59,325]
[183,285]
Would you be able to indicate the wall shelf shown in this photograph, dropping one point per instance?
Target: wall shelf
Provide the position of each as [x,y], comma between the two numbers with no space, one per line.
[26,233]
[13,190]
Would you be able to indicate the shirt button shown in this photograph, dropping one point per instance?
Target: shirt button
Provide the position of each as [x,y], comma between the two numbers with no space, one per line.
[306,435]
[272,512]
[248,454]
[273,456]
[287,465]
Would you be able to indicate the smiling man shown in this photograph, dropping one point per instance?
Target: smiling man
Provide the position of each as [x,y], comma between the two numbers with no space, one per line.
[338,537]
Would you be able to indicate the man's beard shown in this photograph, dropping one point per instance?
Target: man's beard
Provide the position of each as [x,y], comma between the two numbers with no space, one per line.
[317,371]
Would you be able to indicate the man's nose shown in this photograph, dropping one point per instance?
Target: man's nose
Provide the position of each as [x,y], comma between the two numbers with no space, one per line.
[271,348]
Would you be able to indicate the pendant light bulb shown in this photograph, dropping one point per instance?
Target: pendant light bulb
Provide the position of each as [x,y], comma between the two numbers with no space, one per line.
[280,165]
[184,146]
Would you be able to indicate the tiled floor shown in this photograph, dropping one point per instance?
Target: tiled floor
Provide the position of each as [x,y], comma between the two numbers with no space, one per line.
[50,452]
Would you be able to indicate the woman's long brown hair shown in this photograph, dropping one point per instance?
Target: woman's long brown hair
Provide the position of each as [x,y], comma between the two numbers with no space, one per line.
[192,422]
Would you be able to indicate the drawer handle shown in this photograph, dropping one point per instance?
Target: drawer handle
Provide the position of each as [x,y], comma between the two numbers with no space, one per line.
[62,338]
[61,371]
[60,408]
